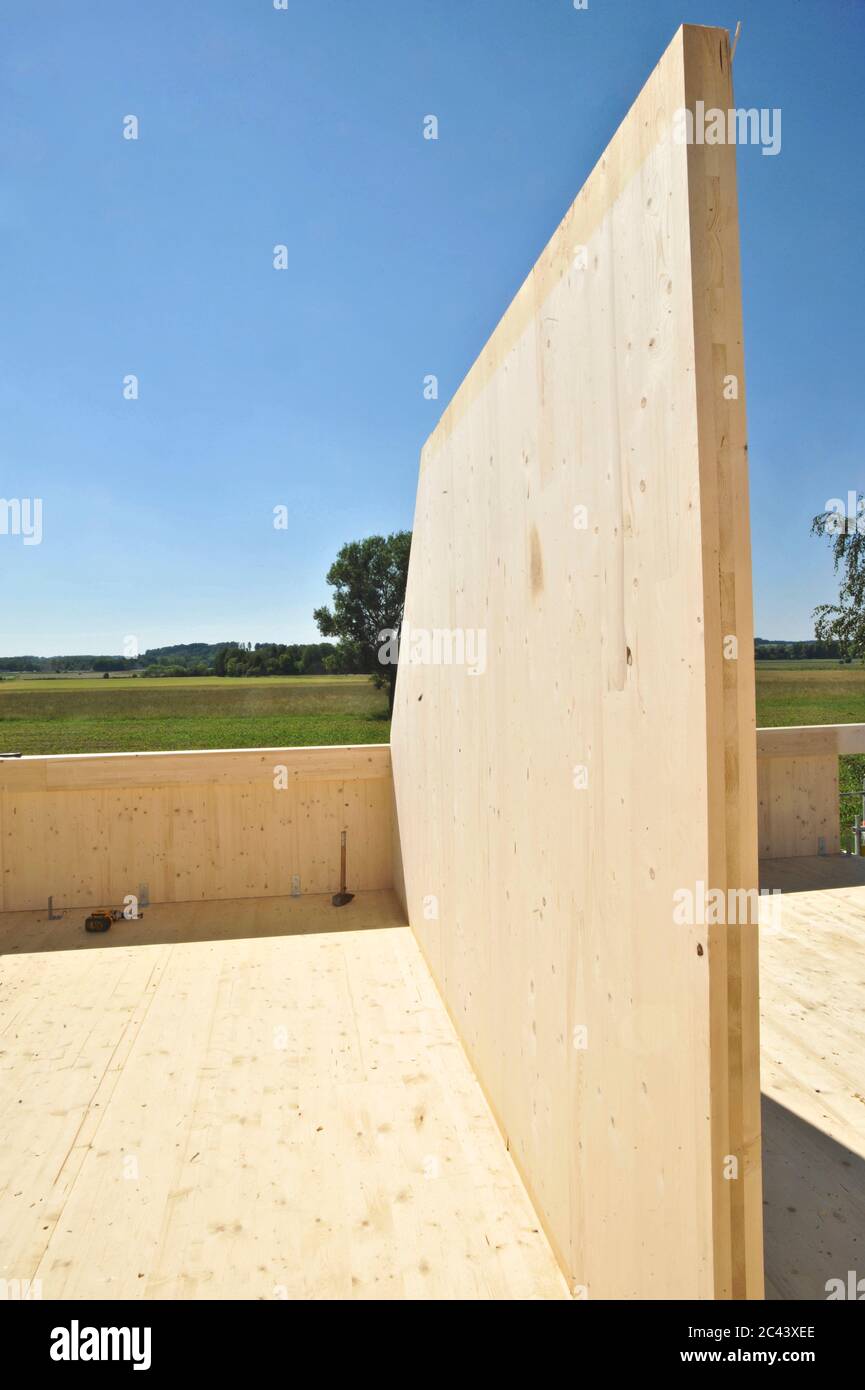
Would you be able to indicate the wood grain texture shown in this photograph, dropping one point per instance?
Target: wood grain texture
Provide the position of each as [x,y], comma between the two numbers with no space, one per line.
[729,683]
[260,1106]
[798,805]
[617,1048]
[89,830]
[798,787]
[810,740]
[813,1046]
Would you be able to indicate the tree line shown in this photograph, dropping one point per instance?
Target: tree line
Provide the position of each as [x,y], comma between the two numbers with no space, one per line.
[812,650]
[191,659]
[275,659]
[369,579]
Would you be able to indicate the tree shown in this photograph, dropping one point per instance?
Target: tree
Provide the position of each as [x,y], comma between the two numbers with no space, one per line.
[368,578]
[219,660]
[844,622]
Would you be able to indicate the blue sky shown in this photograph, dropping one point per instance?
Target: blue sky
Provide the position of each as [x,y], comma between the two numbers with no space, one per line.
[303,387]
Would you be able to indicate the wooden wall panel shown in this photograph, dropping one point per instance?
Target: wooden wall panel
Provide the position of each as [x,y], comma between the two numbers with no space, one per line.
[617,1048]
[798,781]
[192,826]
[798,806]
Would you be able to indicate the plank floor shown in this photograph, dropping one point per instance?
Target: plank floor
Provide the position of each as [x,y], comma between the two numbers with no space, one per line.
[234,1100]
[812,985]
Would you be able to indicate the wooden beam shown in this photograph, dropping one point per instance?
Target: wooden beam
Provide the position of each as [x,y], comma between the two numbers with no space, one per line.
[811,741]
[215,767]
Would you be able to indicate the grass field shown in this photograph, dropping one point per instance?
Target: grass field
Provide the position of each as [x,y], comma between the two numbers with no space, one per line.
[809,692]
[73,715]
[70,715]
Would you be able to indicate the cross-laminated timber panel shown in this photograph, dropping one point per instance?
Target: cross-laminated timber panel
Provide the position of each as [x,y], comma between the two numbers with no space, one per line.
[798,787]
[87,830]
[583,503]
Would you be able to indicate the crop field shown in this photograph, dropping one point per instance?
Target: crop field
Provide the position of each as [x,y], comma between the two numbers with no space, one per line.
[72,715]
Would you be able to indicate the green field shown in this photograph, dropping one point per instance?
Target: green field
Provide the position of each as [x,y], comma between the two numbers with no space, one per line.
[70,715]
[809,692]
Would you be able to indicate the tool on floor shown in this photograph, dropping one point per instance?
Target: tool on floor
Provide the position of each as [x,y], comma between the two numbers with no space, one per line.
[102,918]
[341,898]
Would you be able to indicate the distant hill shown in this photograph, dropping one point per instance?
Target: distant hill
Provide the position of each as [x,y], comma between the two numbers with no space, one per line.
[186,651]
[194,659]
[296,659]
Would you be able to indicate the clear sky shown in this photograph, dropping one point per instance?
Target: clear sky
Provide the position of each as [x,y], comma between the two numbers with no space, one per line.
[304,387]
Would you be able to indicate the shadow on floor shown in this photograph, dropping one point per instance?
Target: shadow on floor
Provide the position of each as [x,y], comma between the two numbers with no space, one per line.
[813,1207]
[810,872]
[24,933]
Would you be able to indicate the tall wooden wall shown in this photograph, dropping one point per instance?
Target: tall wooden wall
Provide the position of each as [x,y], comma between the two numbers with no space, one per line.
[584,502]
[88,830]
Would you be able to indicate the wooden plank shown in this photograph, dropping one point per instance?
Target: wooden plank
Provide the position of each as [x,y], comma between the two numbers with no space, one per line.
[819,740]
[241,1100]
[193,826]
[228,766]
[583,504]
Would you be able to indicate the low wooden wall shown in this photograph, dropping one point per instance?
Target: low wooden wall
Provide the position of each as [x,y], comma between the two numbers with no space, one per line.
[88,830]
[797,787]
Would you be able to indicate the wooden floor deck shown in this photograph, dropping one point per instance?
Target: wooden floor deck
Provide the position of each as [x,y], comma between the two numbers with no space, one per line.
[812,987]
[235,1100]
